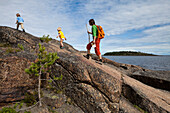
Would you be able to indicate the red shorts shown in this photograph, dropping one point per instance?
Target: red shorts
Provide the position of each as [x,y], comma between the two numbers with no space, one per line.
[97,48]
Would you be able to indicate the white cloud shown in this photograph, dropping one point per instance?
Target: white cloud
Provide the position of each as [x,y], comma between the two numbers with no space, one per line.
[157,40]
[160,34]
[154,35]
[120,16]
[116,16]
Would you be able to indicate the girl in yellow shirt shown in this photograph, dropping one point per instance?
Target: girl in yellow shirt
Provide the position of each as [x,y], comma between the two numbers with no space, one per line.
[62,37]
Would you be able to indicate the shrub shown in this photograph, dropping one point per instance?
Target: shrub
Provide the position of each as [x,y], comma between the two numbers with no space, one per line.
[20,46]
[45,39]
[8,110]
[30,99]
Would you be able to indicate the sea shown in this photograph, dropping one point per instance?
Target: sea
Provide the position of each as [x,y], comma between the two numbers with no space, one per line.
[148,62]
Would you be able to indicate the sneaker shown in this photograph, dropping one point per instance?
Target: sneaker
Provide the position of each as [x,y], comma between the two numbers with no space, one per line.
[100,60]
[61,47]
[23,30]
[87,56]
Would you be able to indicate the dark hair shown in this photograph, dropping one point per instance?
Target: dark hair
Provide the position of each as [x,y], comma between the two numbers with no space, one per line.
[91,22]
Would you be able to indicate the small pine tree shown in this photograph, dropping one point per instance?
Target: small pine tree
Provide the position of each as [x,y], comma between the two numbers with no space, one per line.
[41,65]
[45,38]
[21,46]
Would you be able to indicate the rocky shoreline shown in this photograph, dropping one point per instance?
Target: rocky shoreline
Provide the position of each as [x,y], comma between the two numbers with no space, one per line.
[93,88]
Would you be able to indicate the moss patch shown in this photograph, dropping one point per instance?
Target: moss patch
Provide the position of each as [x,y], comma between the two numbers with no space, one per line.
[140,109]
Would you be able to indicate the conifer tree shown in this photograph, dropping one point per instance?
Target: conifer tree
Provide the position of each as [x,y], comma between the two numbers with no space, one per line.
[41,65]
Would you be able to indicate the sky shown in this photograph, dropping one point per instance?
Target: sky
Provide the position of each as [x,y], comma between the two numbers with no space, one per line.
[129,25]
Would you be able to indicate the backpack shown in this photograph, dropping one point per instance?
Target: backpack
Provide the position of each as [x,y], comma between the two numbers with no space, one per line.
[100,30]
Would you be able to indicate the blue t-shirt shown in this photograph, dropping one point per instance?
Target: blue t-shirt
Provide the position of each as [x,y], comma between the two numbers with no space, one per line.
[20,19]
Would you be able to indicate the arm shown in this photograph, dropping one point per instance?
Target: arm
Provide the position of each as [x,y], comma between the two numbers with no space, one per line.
[16,22]
[89,32]
[94,33]
[58,35]
[94,38]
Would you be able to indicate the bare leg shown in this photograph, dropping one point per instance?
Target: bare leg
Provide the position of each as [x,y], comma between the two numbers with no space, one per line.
[100,56]
[88,51]
[22,26]
[61,42]
[88,54]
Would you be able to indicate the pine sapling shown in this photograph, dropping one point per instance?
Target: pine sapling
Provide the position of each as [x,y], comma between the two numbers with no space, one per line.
[41,65]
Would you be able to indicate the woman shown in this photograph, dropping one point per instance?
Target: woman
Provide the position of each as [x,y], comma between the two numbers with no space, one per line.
[95,41]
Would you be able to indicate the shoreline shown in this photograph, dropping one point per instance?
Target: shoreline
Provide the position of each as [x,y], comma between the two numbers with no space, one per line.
[134,55]
[128,53]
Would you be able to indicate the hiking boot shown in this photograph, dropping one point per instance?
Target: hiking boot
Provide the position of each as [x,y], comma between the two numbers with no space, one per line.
[87,56]
[100,60]
[23,30]
[61,47]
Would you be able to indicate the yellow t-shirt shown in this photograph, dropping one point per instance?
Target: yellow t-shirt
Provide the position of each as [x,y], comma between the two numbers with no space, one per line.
[61,34]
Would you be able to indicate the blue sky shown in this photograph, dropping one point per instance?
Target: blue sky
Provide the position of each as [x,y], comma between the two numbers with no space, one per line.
[132,25]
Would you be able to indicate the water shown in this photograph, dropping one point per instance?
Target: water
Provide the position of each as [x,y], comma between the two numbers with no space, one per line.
[147,62]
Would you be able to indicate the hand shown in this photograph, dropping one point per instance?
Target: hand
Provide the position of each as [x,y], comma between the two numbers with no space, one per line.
[57,37]
[93,41]
[65,39]
[89,32]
